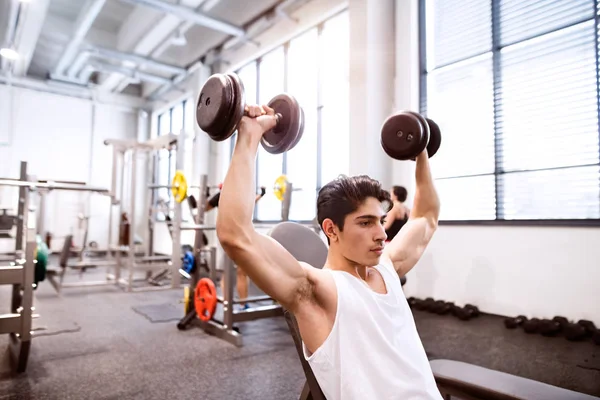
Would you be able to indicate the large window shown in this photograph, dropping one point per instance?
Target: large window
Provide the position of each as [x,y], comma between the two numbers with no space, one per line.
[175,120]
[514,87]
[312,67]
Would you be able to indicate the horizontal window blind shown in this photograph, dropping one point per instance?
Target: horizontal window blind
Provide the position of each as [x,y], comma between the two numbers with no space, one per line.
[458,29]
[514,86]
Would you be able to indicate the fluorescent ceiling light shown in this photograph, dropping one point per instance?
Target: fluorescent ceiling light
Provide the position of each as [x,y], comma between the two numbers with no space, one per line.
[9,53]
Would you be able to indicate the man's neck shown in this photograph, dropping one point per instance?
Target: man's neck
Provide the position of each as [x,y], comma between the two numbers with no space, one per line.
[337,262]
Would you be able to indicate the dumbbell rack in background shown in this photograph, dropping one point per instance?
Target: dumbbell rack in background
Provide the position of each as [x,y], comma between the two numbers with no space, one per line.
[20,275]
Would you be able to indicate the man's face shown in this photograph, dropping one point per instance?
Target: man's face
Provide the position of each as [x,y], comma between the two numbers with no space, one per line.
[363,237]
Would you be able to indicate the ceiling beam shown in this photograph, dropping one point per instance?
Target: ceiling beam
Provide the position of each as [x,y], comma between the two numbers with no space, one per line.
[143,31]
[189,14]
[28,32]
[84,22]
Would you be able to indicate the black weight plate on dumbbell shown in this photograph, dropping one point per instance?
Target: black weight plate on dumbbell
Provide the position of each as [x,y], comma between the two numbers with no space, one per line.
[238,105]
[596,337]
[300,130]
[214,106]
[279,139]
[425,137]
[561,320]
[402,136]
[531,326]
[473,309]
[549,327]
[510,323]
[574,332]
[588,325]
[435,137]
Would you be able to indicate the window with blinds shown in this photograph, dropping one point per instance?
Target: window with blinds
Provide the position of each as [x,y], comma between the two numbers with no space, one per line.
[514,86]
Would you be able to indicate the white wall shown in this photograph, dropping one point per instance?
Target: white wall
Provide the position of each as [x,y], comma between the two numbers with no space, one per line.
[505,270]
[61,138]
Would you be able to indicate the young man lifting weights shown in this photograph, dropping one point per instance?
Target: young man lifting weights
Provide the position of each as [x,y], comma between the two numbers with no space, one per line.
[358,332]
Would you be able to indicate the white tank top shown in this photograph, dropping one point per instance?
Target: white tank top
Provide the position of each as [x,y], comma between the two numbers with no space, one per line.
[373,350]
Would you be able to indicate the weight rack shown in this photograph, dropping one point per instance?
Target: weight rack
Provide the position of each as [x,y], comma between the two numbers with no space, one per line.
[20,274]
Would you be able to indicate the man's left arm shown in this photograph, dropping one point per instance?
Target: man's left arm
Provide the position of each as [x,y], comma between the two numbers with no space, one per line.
[405,250]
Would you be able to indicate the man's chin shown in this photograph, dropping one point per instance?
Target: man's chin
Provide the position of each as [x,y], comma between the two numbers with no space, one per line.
[373,260]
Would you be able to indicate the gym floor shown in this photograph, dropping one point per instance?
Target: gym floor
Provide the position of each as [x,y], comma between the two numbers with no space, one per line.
[96,346]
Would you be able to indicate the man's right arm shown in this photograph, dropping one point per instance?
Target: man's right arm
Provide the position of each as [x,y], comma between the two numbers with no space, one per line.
[270,266]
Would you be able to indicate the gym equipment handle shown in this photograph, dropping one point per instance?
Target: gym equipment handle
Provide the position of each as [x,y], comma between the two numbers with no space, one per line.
[278,116]
[56,186]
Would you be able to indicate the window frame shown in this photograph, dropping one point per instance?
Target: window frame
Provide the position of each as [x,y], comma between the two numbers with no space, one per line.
[285,45]
[496,73]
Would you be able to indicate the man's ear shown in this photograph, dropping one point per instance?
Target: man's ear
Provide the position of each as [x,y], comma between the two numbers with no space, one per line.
[330,229]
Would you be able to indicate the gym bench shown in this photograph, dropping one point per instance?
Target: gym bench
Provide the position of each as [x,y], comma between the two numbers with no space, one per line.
[455,379]
[56,275]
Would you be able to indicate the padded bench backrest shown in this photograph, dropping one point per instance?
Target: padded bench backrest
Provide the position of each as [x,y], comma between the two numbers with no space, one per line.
[455,378]
[305,245]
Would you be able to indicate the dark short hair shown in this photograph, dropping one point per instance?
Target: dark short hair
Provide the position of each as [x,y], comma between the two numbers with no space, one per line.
[400,193]
[343,196]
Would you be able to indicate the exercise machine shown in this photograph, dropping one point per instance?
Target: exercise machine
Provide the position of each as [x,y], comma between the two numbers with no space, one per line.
[128,254]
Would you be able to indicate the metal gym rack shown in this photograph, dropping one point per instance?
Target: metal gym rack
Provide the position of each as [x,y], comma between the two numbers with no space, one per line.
[20,274]
[225,328]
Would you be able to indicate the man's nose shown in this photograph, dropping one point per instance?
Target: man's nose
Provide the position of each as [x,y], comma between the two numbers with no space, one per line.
[380,235]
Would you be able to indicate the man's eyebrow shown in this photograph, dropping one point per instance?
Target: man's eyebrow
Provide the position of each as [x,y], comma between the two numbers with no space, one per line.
[369,216]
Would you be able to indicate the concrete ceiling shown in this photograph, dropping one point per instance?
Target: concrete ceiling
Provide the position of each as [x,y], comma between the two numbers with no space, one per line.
[122,46]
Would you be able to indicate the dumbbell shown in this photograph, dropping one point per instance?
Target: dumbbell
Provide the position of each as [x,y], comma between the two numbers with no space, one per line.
[466,313]
[579,331]
[441,307]
[406,134]
[427,304]
[512,323]
[221,105]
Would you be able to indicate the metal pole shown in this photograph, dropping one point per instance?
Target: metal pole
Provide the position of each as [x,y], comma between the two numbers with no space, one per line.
[152,202]
[21,217]
[131,252]
[41,226]
[29,269]
[203,199]
[21,208]
[176,226]
[229,276]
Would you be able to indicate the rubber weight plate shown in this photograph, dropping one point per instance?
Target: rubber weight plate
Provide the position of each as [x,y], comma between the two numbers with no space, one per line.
[239,104]
[403,136]
[215,105]
[300,130]
[435,138]
[283,135]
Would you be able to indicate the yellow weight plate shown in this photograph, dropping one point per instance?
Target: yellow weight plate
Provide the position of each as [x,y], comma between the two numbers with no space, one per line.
[179,187]
[280,187]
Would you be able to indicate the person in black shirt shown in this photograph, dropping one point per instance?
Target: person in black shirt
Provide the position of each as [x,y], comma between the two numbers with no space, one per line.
[398,215]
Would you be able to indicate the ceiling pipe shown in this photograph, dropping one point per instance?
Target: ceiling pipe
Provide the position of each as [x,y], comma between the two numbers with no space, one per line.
[255,28]
[72,90]
[84,22]
[129,73]
[189,14]
[258,27]
[104,53]
[182,28]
